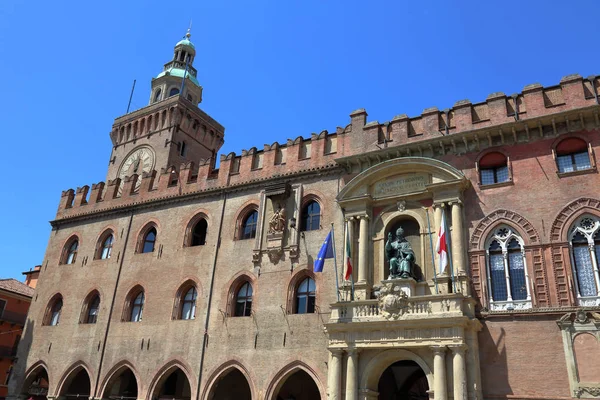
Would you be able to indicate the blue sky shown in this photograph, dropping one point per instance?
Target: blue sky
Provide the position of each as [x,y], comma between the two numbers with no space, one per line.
[271,70]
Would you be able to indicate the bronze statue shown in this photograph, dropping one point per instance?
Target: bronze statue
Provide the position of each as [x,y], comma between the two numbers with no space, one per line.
[400,255]
[277,221]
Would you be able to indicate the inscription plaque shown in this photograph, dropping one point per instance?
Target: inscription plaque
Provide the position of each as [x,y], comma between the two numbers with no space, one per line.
[401,184]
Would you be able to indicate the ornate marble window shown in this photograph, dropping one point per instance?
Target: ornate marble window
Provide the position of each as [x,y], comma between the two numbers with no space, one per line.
[508,280]
[584,240]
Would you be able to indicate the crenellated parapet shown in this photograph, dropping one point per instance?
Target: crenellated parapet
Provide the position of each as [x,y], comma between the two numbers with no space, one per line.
[536,112]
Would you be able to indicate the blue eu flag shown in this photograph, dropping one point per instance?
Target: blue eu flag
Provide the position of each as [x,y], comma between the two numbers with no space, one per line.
[325,252]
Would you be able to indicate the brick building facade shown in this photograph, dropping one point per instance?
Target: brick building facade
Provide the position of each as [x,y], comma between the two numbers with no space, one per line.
[177,279]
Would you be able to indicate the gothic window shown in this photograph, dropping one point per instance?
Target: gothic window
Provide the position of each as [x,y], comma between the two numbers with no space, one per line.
[508,280]
[105,246]
[199,233]
[493,168]
[91,308]
[173,92]
[585,245]
[182,149]
[188,303]
[572,155]
[71,251]
[54,309]
[311,216]
[136,300]
[149,241]
[243,301]
[157,95]
[305,297]
[248,228]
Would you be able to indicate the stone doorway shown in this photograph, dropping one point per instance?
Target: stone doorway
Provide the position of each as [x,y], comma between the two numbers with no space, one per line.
[231,386]
[403,380]
[299,386]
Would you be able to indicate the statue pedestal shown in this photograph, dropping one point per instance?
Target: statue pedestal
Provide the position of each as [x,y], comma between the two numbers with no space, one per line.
[408,286]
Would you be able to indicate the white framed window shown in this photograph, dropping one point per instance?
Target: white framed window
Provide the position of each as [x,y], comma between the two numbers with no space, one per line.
[507,276]
[584,240]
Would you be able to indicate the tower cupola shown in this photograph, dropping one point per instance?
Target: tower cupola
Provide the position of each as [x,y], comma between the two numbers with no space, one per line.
[170,82]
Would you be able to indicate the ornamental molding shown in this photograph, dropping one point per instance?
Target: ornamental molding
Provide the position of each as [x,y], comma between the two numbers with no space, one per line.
[564,217]
[498,216]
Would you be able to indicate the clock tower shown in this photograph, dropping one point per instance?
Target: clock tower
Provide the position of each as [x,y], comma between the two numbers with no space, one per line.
[171,129]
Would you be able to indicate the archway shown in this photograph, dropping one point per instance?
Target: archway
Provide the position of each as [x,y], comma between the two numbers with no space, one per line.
[77,385]
[122,386]
[174,385]
[403,380]
[231,386]
[36,384]
[298,386]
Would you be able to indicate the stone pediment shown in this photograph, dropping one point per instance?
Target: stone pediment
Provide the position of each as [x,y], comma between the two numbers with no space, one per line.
[408,176]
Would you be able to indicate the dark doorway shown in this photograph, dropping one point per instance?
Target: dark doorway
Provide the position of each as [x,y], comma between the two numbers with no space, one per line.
[36,387]
[122,387]
[77,385]
[232,386]
[403,380]
[299,386]
[174,386]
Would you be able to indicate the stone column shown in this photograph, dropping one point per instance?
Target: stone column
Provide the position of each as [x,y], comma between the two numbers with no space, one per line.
[335,375]
[363,252]
[440,388]
[352,375]
[458,250]
[459,372]
[473,371]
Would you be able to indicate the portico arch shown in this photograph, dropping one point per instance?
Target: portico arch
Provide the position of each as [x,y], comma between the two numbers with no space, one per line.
[36,382]
[375,368]
[76,382]
[295,373]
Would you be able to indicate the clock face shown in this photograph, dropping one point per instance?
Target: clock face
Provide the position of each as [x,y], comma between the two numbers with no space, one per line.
[138,161]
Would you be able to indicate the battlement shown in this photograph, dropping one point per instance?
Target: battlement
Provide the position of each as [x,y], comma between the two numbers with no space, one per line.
[434,133]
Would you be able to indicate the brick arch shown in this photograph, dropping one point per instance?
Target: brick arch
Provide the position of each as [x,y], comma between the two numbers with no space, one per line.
[277,381]
[70,373]
[115,371]
[565,217]
[160,375]
[32,373]
[529,234]
[223,370]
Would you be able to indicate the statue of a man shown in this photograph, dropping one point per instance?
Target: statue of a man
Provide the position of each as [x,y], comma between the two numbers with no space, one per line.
[277,221]
[400,255]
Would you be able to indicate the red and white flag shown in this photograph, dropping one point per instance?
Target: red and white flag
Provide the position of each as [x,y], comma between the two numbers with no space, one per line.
[441,247]
[348,273]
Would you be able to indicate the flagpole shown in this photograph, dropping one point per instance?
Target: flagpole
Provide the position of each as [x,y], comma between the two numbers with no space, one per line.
[432,252]
[449,251]
[337,284]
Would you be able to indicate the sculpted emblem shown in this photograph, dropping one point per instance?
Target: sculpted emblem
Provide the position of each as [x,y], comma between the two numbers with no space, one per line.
[392,305]
[277,221]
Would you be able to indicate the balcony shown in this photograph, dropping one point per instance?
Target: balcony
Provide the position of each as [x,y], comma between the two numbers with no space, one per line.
[13,317]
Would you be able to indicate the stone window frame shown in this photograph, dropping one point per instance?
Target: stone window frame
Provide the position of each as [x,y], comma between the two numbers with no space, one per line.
[189,230]
[64,257]
[590,150]
[242,216]
[83,318]
[179,297]
[232,293]
[572,325]
[504,239]
[128,304]
[588,233]
[306,200]
[100,244]
[293,285]
[141,239]
[508,166]
[46,321]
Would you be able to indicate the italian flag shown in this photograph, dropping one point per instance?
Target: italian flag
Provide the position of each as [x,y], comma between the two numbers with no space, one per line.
[442,244]
[348,257]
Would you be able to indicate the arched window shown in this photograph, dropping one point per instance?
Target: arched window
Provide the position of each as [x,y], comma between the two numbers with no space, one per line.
[311,216]
[149,241]
[305,297]
[54,310]
[137,306]
[92,307]
[173,92]
[182,149]
[199,233]
[243,301]
[188,304]
[508,279]
[493,168]
[157,95]
[106,247]
[585,245]
[71,251]
[248,228]
[572,155]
